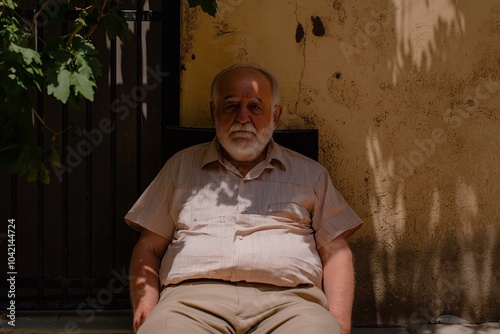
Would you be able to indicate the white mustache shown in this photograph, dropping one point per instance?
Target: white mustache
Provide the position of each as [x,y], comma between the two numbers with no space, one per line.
[247,127]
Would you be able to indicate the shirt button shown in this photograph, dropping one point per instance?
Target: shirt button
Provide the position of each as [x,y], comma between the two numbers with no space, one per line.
[240,237]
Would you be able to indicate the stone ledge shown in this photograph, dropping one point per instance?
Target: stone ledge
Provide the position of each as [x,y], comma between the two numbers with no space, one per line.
[59,322]
[381,330]
[486,328]
[120,322]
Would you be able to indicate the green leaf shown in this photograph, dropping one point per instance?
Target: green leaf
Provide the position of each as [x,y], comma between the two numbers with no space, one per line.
[60,56]
[32,175]
[82,85]
[44,176]
[59,83]
[22,159]
[57,164]
[208,6]
[29,55]
[74,130]
[116,26]
[81,46]
[52,156]
[10,4]
[28,162]
[82,67]
[95,66]
[73,73]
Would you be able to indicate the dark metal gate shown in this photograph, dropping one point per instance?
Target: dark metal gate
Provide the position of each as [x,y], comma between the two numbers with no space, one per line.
[72,245]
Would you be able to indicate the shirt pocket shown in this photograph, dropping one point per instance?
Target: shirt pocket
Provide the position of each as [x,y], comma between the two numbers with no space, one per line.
[290,212]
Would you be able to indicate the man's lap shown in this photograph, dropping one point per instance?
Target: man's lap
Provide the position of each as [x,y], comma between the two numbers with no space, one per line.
[210,306]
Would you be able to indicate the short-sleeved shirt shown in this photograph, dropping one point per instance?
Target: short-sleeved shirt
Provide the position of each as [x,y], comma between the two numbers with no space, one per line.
[265,227]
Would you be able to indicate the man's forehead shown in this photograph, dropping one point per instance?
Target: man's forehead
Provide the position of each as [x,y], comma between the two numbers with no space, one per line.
[233,98]
[245,83]
[245,75]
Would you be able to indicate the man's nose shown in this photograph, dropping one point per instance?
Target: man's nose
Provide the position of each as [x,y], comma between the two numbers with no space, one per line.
[243,115]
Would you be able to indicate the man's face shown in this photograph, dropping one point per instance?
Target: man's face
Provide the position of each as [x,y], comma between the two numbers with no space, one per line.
[243,114]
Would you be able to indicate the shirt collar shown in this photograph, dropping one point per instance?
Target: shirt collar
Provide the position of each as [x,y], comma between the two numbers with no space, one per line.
[274,154]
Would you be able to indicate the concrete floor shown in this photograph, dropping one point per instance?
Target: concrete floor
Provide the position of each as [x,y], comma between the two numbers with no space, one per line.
[119,322]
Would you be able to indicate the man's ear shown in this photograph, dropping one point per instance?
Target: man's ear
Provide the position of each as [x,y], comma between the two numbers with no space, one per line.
[277,115]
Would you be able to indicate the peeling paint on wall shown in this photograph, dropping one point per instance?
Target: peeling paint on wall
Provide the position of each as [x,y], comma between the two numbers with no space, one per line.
[318,27]
[299,33]
[339,8]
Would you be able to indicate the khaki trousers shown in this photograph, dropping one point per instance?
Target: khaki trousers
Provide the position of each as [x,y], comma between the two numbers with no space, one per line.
[211,306]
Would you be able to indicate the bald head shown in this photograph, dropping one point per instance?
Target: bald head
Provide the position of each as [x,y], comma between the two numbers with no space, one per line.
[273,82]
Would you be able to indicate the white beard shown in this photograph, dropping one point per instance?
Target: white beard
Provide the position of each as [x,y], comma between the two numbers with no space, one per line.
[243,143]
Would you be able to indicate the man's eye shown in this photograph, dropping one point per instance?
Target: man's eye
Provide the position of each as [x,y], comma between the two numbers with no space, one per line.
[255,108]
[230,107]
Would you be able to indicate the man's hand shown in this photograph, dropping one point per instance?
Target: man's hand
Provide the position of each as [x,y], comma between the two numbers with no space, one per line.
[338,280]
[144,274]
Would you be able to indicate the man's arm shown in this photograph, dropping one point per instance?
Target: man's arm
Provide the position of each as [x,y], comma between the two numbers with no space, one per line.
[338,280]
[144,274]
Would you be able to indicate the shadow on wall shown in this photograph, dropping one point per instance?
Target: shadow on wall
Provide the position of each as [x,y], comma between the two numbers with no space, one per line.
[432,245]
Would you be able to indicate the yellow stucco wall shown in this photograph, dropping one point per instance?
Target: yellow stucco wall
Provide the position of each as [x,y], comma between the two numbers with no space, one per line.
[406,97]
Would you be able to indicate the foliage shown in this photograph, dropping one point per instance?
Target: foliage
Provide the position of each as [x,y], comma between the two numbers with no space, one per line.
[67,66]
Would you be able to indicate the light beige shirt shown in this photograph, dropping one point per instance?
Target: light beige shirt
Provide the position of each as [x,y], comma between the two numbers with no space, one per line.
[263,227]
